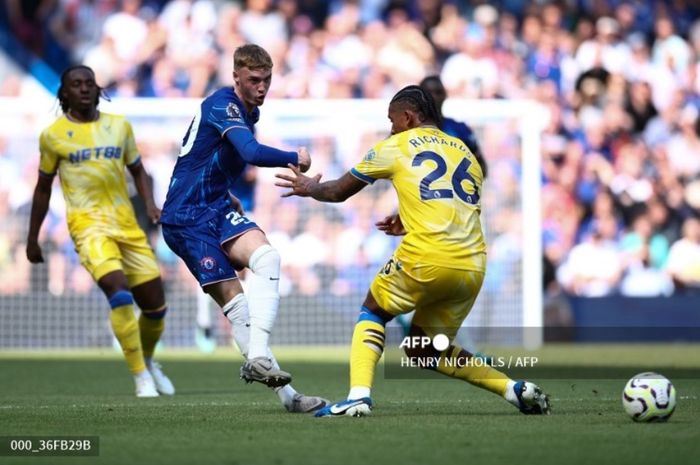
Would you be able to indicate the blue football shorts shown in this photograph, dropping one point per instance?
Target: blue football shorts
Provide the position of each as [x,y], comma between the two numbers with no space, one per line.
[200,245]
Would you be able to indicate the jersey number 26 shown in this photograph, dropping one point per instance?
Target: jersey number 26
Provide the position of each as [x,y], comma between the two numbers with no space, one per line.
[461,174]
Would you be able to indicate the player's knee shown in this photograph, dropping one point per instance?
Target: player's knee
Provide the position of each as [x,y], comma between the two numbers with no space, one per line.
[265,260]
[113,282]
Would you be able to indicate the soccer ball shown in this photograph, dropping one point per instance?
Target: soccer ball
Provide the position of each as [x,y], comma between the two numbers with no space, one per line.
[649,397]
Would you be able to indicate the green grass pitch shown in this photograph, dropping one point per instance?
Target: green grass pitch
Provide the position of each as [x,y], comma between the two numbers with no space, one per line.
[215,418]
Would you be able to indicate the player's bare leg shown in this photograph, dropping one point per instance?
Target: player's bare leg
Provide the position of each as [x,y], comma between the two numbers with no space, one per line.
[150,297]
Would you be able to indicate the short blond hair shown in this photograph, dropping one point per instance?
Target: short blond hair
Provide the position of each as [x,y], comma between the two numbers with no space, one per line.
[251,56]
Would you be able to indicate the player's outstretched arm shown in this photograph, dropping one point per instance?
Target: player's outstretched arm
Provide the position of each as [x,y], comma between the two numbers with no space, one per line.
[143,186]
[40,206]
[337,190]
[263,155]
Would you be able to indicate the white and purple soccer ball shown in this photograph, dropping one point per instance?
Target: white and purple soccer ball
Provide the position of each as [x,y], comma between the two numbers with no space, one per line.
[649,397]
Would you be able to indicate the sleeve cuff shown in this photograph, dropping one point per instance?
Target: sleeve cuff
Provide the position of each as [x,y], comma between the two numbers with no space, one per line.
[46,175]
[362,177]
[135,162]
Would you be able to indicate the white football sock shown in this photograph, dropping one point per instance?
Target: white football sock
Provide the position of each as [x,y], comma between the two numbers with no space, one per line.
[358,392]
[145,374]
[203,311]
[263,289]
[236,310]
[286,394]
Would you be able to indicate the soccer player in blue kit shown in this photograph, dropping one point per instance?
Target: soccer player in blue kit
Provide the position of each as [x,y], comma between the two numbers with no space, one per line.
[203,224]
[450,126]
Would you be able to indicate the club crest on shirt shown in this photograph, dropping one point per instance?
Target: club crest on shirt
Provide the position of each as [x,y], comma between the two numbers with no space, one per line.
[208,263]
[370,155]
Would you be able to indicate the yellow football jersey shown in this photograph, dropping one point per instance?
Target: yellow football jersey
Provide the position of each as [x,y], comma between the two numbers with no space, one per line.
[90,160]
[438,182]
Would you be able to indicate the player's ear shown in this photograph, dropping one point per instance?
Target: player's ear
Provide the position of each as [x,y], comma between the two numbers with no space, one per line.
[412,118]
[236,78]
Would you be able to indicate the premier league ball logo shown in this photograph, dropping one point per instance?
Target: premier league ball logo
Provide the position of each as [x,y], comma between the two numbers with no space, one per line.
[232,111]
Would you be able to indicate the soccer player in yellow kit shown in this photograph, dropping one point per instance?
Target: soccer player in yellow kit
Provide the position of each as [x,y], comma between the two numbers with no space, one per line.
[439,266]
[89,150]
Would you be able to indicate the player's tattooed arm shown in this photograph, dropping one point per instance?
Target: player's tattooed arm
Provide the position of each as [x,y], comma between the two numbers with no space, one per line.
[337,190]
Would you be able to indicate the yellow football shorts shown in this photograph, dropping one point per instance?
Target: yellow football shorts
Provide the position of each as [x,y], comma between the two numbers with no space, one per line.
[442,297]
[102,252]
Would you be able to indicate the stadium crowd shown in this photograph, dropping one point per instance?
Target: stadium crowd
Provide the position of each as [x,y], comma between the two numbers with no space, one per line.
[621,80]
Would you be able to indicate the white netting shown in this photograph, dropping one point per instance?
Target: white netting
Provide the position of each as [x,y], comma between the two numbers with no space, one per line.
[330,252]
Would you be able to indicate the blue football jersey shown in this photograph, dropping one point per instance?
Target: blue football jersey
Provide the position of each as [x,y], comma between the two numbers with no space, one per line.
[208,164]
[461,131]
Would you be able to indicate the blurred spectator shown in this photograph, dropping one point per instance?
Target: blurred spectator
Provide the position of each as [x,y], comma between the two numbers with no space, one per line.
[605,50]
[127,30]
[684,258]
[621,81]
[641,280]
[261,24]
[639,105]
[669,49]
[594,267]
[27,19]
[642,244]
[684,146]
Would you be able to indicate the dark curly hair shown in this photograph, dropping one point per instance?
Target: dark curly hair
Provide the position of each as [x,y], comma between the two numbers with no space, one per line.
[420,101]
[62,100]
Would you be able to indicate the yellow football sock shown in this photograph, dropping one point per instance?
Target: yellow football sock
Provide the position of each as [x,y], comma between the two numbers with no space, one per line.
[151,325]
[366,350]
[127,332]
[458,363]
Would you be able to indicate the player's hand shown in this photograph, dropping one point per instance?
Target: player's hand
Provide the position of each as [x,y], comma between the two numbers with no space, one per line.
[236,204]
[153,213]
[299,184]
[391,225]
[304,160]
[34,254]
